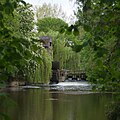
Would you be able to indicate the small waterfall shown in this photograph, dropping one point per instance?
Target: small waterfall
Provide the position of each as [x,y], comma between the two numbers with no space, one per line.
[82,86]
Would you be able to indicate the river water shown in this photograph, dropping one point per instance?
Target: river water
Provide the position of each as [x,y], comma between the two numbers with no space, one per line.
[54,103]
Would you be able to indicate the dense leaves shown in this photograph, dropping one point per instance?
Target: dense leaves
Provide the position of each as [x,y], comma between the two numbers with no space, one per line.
[46,24]
[100,20]
[113,111]
[17,41]
[62,42]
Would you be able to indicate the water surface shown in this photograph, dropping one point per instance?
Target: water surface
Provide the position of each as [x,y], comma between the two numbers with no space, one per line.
[46,104]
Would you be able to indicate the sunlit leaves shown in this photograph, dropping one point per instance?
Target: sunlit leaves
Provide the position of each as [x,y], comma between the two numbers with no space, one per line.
[48,23]
[16,43]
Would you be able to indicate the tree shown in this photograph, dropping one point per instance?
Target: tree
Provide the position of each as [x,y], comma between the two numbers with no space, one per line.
[46,24]
[47,10]
[24,16]
[17,46]
[100,20]
[62,52]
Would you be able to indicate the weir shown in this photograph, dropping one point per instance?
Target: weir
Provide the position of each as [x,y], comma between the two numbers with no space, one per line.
[65,75]
[68,75]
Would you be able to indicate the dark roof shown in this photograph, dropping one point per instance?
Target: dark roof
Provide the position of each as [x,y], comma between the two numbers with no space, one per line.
[45,38]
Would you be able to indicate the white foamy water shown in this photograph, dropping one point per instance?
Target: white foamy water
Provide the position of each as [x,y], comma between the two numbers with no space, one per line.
[83,85]
[74,84]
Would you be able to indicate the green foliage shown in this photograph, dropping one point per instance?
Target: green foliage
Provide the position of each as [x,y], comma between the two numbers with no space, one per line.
[113,111]
[19,46]
[3,116]
[46,24]
[6,8]
[24,17]
[63,52]
[73,29]
[100,20]
[42,72]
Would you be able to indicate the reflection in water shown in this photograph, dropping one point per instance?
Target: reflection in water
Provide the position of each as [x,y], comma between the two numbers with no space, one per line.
[39,104]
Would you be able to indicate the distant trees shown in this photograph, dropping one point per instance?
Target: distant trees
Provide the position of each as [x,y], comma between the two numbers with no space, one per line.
[62,52]
[48,23]
[48,10]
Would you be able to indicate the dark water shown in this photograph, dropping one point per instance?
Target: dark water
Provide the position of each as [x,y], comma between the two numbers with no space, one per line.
[42,104]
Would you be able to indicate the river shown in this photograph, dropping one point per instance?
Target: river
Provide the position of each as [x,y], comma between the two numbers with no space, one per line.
[43,103]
